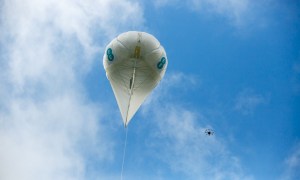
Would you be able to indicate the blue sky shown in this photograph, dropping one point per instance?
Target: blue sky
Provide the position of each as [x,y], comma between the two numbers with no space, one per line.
[234,67]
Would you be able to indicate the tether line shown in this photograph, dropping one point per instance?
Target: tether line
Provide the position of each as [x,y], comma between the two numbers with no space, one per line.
[124,152]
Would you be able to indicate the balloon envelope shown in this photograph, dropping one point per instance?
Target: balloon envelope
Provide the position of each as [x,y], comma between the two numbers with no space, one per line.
[134,62]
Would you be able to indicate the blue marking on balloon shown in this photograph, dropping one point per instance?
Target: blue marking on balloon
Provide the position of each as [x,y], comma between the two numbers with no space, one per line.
[163,60]
[109,51]
[109,54]
[161,63]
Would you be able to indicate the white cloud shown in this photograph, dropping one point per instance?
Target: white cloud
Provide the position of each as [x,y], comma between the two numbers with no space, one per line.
[49,129]
[184,82]
[186,149]
[161,3]
[292,165]
[238,12]
[182,141]
[247,101]
[42,140]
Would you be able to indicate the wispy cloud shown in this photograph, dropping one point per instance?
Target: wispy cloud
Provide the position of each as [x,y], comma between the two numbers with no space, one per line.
[182,141]
[292,165]
[178,81]
[247,101]
[242,14]
[49,128]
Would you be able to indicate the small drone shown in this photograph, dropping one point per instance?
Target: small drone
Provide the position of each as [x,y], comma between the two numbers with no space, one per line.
[209,132]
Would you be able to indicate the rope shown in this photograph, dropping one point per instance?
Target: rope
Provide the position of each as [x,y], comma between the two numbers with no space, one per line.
[124,153]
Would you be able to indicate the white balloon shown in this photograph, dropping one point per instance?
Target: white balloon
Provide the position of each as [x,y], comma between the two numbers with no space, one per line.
[134,62]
